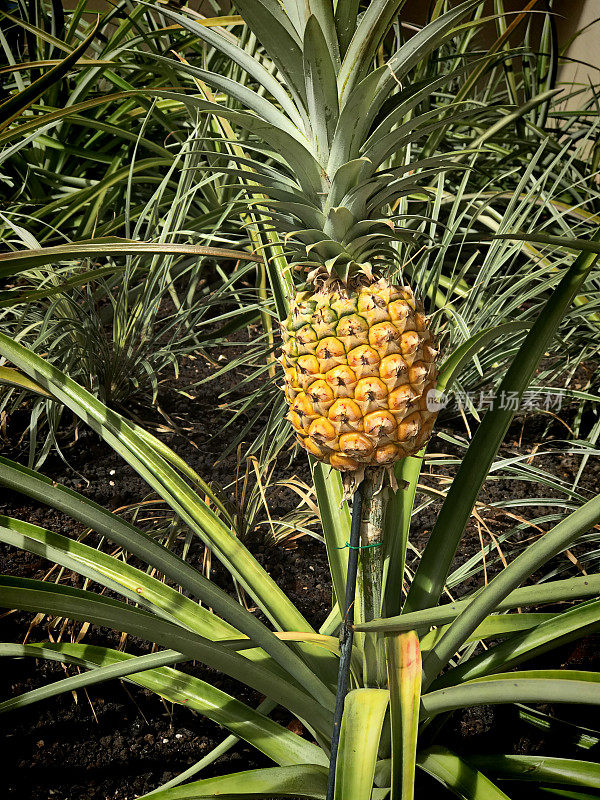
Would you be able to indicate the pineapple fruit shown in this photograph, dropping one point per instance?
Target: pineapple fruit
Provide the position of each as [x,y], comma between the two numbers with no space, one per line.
[331,156]
[359,365]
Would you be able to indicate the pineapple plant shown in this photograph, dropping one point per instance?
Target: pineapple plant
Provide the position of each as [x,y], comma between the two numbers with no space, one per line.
[334,159]
[334,136]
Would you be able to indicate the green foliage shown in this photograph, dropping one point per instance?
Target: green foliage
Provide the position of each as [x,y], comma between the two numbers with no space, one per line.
[104,187]
[297,675]
[481,240]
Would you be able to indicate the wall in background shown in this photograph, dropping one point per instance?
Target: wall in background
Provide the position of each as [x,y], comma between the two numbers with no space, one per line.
[584,52]
[583,64]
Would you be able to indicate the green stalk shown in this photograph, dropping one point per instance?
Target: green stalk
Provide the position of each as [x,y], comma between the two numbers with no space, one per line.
[346,637]
[371,574]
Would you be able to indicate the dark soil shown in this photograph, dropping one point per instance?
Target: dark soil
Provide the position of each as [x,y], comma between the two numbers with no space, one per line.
[119,741]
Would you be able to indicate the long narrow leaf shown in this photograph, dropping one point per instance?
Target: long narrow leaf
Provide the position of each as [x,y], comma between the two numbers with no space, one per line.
[551,592]
[177,493]
[542,686]
[404,680]
[562,771]
[272,739]
[557,630]
[116,575]
[396,530]
[239,56]
[20,260]
[335,519]
[456,775]
[273,28]
[306,781]
[85,606]
[364,711]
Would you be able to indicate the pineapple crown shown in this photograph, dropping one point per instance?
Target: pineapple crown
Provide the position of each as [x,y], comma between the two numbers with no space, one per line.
[327,127]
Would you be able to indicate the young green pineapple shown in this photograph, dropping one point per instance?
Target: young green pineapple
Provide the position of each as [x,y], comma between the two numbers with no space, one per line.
[331,150]
[359,366]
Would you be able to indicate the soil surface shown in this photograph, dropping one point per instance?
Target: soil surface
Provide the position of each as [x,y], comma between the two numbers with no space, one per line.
[119,741]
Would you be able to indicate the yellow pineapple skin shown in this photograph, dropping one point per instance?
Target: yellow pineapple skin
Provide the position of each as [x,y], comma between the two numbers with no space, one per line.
[358,367]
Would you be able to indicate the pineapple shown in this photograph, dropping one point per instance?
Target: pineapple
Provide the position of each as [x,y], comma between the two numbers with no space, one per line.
[359,365]
[331,135]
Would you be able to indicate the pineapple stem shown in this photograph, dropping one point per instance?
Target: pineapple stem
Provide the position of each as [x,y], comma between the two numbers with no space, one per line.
[371,574]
